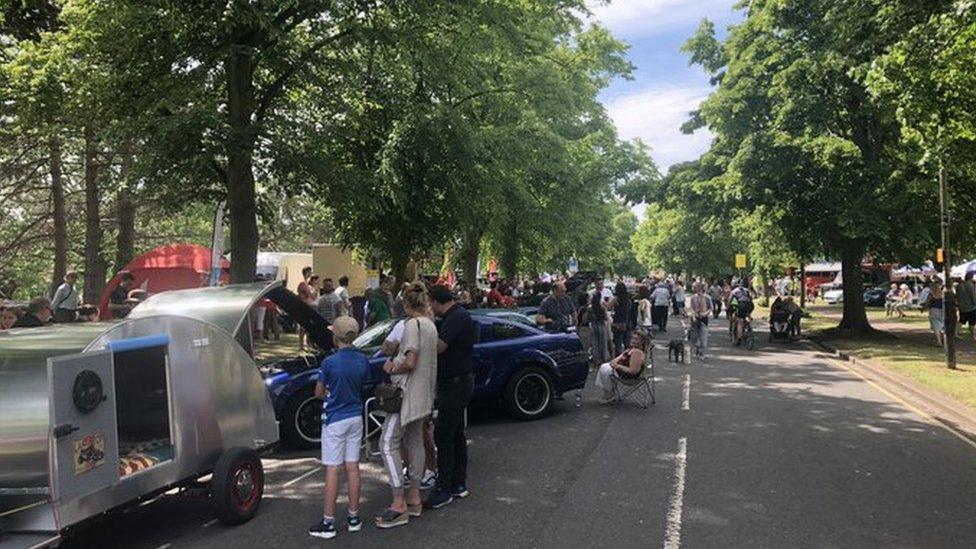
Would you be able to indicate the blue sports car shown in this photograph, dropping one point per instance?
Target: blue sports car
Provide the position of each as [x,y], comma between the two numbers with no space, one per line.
[517,366]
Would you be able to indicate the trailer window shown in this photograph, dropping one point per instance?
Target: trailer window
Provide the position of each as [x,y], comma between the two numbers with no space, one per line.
[142,408]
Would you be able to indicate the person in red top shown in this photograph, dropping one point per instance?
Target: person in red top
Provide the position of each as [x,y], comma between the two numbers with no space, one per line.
[495,297]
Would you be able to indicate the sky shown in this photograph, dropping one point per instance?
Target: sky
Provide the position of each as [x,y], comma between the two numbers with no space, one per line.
[665,88]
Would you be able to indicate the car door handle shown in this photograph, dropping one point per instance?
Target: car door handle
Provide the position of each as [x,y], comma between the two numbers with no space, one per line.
[64,430]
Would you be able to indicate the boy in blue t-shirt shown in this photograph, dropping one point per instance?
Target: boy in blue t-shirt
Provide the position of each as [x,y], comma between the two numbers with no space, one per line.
[340,382]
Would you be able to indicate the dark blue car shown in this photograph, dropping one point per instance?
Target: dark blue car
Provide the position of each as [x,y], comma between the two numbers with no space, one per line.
[517,366]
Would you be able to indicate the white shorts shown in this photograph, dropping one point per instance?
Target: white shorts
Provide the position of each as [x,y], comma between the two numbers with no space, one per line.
[341,441]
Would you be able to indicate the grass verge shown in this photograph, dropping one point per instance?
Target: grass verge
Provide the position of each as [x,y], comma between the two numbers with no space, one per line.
[912,354]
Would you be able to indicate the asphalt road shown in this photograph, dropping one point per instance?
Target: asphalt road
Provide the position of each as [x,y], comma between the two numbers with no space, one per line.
[778,447]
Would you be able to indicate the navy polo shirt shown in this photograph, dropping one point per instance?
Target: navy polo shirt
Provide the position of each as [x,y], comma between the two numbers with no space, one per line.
[459,331]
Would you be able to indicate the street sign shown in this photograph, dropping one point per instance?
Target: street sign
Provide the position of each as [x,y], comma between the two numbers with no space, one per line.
[573,266]
[939,256]
[740,261]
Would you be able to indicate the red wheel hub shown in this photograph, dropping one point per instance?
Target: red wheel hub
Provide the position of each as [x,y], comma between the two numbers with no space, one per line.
[245,486]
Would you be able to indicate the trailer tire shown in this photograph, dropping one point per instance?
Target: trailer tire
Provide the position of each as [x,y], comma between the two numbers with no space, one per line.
[237,486]
[301,411]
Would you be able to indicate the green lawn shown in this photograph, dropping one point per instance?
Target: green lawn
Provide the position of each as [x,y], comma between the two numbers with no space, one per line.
[912,353]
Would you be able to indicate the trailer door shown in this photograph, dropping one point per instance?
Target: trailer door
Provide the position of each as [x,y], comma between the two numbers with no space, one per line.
[83,431]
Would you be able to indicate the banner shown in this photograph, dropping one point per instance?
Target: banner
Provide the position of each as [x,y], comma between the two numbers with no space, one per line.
[217,244]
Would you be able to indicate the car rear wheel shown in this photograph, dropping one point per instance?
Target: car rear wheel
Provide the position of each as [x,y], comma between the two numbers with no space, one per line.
[301,421]
[529,393]
[237,485]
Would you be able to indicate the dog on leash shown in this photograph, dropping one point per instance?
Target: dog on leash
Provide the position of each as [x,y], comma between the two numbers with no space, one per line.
[676,350]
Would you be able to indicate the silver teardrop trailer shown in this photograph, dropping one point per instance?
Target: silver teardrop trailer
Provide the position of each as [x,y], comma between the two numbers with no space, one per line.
[96,416]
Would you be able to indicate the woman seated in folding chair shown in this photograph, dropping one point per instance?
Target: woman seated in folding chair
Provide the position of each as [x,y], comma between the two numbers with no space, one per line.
[628,365]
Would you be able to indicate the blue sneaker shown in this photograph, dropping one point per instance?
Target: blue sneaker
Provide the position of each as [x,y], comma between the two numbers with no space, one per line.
[323,529]
[354,523]
[437,499]
[460,491]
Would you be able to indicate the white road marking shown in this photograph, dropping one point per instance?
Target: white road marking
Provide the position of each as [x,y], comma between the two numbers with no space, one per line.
[672,532]
[686,395]
[164,546]
[207,524]
[301,477]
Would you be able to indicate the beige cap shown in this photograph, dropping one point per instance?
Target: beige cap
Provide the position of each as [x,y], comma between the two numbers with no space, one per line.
[345,328]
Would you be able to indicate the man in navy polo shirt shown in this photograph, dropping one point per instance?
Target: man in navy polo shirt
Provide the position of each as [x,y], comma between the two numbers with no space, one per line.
[455,385]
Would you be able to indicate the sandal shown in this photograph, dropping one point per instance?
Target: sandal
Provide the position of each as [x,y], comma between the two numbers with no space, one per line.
[392,519]
[415,510]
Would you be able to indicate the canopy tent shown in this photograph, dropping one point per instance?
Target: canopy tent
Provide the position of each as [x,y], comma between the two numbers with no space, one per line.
[907,271]
[169,267]
[959,271]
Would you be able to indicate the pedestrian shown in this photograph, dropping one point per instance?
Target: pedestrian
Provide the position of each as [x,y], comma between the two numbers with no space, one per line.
[598,317]
[414,369]
[38,313]
[455,385]
[66,300]
[715,294]
[398,309]
[660,300]
[381,302]
[556,312]
[644,319]
[340,383]
[966,298]
[934,303]
[118,301]
[8,318]
[891,299]
[310,296]
[326,304]
[905,297]
[701,307]
[621,326]
[679,299]
[343,306]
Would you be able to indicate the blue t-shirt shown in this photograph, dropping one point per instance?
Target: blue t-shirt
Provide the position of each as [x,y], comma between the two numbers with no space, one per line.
[343,373]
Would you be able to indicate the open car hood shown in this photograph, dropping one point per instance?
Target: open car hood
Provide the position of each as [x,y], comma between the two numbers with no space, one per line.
[305,316]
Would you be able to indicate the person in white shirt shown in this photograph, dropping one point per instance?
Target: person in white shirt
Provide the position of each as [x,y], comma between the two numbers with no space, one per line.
[66,300]
[660,299]
[344,306]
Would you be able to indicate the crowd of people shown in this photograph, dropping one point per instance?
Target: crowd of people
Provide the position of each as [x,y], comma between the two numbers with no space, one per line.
[931,302]
[423,441]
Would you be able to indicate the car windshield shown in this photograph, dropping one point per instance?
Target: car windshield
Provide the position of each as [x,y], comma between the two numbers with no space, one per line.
[374,335]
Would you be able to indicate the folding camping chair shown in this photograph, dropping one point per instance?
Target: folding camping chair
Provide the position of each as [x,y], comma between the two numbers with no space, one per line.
[641,387]
[374,418]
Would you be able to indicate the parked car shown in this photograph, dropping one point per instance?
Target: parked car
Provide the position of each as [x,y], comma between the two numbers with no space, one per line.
[834,296]
[506,314]
[875,297]
[518,366]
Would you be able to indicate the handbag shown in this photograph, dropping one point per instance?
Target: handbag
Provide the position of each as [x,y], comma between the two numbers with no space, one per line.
[389,397]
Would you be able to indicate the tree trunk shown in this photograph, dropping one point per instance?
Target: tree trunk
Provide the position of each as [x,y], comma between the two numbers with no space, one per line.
[125,212]
[60,214]
[470,250]
[399,257]
[855,315]
[241,201]
[94,263]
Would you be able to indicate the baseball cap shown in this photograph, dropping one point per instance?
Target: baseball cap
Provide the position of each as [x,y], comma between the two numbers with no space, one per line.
[345,328]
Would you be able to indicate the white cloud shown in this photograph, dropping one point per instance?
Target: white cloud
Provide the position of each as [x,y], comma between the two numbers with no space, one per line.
[648,17]
[655,116]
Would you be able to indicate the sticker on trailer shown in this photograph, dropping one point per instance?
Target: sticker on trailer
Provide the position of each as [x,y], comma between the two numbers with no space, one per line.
[89,452]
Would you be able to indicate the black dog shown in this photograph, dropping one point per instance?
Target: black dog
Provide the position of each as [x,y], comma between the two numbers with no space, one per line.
[676,350]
